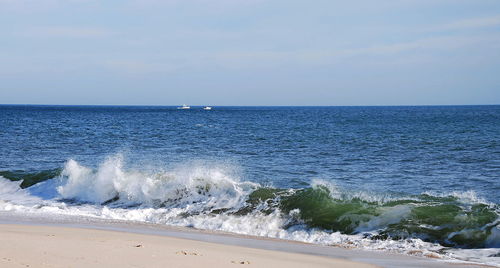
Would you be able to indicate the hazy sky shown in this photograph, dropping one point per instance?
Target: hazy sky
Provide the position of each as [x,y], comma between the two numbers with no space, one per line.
[250,52]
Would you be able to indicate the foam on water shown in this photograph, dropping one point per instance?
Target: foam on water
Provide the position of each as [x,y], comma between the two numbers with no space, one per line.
[337,192]
[198,187]
[212,197]
[13,197]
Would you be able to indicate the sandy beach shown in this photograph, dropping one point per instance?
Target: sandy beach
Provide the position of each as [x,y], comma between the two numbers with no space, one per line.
[50,246]
[245,133]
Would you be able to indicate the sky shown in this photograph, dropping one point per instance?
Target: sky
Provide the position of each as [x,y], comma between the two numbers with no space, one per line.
[250,52]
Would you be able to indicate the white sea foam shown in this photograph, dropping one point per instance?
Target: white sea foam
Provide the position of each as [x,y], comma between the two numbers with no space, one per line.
[493,240]
[338,193]
[12,197]
[469,196]
[189,194]
[195,186]
[389,215]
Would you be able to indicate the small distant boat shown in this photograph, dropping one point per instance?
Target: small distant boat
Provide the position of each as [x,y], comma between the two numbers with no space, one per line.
[184,107]
[207,108]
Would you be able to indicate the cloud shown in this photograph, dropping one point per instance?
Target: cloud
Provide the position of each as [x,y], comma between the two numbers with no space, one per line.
[433,43]
[140,66]
[218,3]
[474,23]
[427,48]
[29,6]
[68,32]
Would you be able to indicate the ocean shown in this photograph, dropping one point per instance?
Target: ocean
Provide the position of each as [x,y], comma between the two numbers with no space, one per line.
[421,180]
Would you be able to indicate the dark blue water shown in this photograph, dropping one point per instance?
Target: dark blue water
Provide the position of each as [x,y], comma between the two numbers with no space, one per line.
[414,180]
[384,149]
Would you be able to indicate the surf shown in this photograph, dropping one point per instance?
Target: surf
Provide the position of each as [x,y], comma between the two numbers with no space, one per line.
[212,196]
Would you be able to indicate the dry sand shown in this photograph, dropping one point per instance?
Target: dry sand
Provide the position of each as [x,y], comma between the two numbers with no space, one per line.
[49,246]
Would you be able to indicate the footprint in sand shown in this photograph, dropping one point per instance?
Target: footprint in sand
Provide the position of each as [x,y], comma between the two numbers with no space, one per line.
[182,252]
[240,262]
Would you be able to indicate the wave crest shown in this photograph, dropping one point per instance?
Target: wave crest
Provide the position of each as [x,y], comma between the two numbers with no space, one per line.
[211,196]
[205,187]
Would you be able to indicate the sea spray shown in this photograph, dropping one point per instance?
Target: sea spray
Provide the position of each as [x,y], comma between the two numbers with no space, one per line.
[206,188]
[210,196]
[12,196]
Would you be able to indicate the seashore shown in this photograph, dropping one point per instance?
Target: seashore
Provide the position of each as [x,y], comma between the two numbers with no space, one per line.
[86,242]
[49,246]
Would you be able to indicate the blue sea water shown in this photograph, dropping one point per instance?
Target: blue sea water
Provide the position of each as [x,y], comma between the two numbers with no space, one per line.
[396,149]
[429,174]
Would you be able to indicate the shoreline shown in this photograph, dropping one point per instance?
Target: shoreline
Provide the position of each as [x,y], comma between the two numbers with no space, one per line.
[51,246]
[268,249]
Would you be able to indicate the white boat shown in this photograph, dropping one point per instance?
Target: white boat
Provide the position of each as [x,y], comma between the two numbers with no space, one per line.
[184,107]
[207,108]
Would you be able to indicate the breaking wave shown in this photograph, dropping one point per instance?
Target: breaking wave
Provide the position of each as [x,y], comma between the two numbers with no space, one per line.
[210,196]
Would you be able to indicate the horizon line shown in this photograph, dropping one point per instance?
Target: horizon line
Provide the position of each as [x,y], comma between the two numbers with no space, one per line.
[177,105]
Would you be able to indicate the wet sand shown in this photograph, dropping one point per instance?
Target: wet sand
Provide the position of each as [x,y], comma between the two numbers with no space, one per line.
[43,240]
[53,246]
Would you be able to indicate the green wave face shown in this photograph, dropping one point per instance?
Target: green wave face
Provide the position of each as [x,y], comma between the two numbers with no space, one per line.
[30,178]
[319,210]
[445,220]
[447,224]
